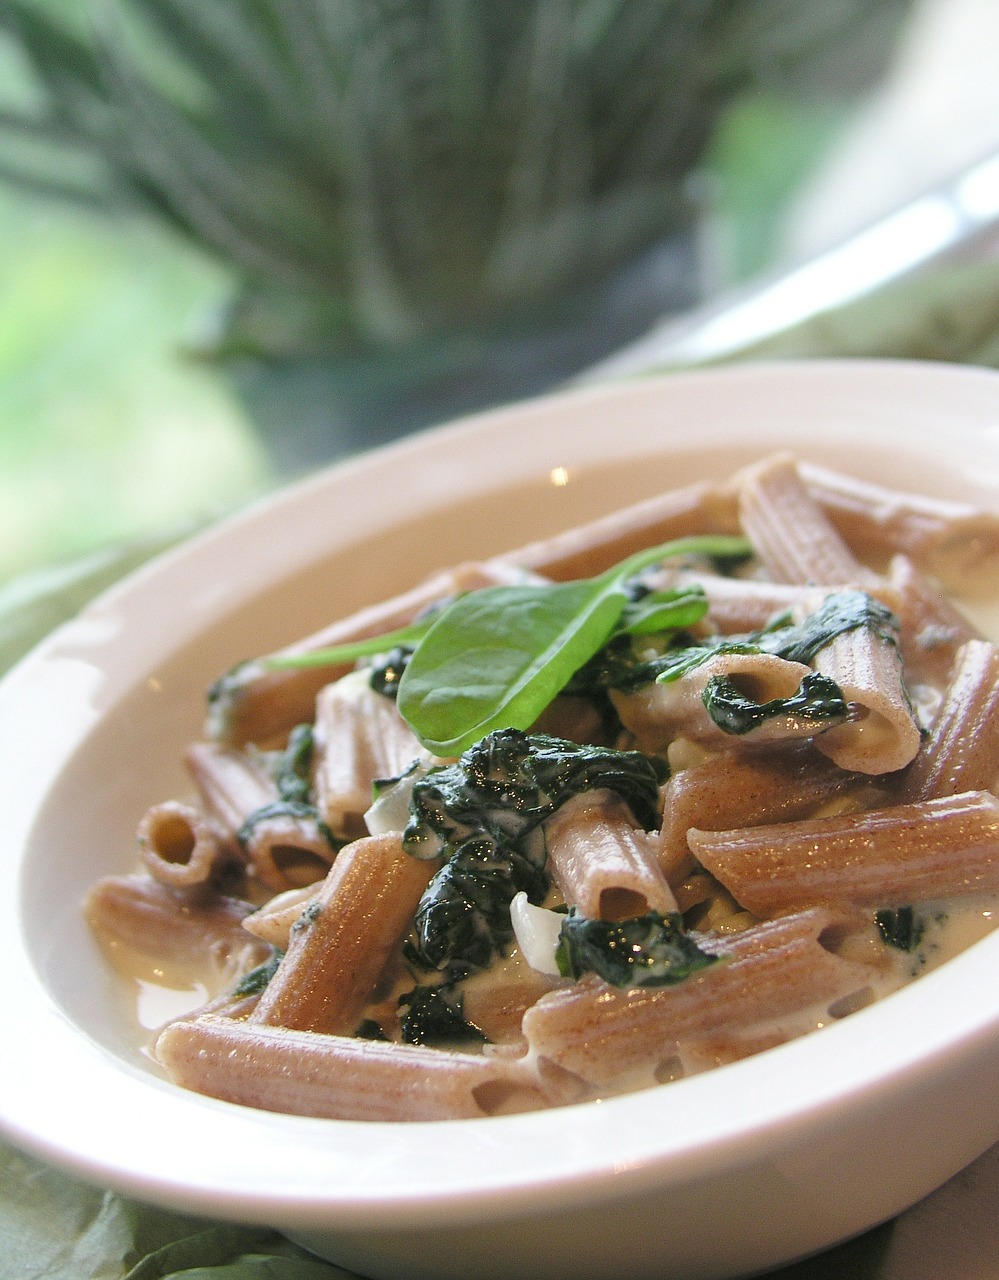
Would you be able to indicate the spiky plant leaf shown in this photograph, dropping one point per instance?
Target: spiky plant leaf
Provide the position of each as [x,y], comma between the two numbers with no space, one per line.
[405,168]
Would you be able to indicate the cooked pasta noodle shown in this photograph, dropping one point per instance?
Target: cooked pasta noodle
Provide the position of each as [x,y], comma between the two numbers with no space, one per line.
[587,817]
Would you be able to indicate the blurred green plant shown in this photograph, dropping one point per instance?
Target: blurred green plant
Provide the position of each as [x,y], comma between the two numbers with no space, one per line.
[380,173]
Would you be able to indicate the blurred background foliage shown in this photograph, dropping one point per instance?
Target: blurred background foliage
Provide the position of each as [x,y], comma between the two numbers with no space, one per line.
[239,237]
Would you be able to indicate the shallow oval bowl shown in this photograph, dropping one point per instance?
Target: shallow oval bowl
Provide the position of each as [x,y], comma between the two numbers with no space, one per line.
[726,1173]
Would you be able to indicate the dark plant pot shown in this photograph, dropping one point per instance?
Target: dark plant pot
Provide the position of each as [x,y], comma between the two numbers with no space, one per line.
[312,410]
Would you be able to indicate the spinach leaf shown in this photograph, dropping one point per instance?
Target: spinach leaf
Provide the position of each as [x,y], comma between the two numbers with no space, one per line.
[292,766]
[818,702]
[433,1015]
[659,611]
[618,666]
[483,816]
[645,951]
[340,654]
[497,657]
[840,612]
[253,982]
[900,927]
[291,773]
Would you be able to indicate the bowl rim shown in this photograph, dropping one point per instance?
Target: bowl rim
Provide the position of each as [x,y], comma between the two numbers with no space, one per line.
[534,1163]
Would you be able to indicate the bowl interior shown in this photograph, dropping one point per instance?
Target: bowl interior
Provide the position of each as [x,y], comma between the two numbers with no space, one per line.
[113,697]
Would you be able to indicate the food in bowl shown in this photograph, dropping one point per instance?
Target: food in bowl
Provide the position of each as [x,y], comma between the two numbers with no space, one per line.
[621,806]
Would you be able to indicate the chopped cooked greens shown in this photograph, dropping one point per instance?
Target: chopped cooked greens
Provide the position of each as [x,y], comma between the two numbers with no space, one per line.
[387,669]
[645,951]
[369,1029]
[840,612]
[290,770]
[620,666]
[297,810]
[433,1015]
[253,982]
[292,766]
[818,703]
[463,918]
[900,927]
[483,815]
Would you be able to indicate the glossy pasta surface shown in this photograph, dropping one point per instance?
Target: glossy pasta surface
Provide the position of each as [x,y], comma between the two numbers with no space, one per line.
[733,793]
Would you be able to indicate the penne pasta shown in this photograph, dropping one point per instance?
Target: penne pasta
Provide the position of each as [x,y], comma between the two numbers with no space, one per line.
[961,752]
[343,940]
[913,852]
[931,629]
[231,784]
[881,734]
[340,1078]
[952,541]
[179,846]
[274,921]
[285,843]
[603,864]
[188,926]
[659,713]
[738,789]
[632,813]
[739,604]
[790,532]
[360,737]
[770,971]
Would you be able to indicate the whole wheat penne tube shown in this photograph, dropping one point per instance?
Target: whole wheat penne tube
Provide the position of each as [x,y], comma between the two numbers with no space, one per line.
[591,548]
[738,605]
[273,922]
[931,628]
[789,531]
[285,845]
[658,713]
[287,850]
[961,752]
[953,541]
[360,737]
[179,846]
[602,862]
[232,784]
[744,789]
[881,735]
[346,936]
[704,1053]
[882,858]
[602,1033]
[496,1006]
[257,703]
[195,925]
[340,1078]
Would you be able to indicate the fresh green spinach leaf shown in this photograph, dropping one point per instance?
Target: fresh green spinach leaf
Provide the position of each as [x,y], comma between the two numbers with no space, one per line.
[497,657]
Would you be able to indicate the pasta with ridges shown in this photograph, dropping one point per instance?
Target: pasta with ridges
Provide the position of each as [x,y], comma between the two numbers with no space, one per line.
[622,805]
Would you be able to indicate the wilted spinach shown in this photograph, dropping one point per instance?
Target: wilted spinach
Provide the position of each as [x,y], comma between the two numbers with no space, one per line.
[483,815]
[645,951]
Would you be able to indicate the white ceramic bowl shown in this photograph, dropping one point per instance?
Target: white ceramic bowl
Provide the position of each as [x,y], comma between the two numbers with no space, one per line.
[722,1174]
